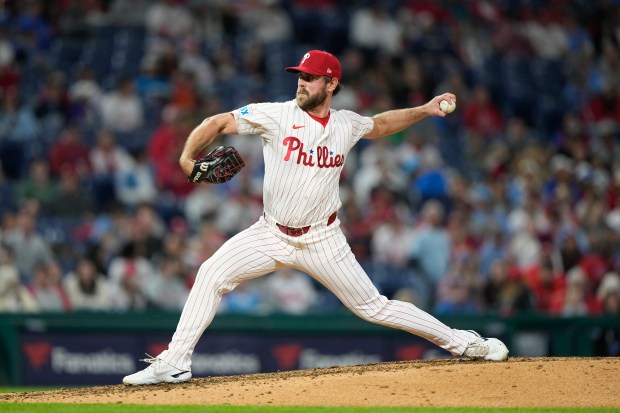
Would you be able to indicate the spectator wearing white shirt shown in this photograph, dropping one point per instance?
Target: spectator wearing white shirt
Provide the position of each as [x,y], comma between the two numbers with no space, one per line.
[87,289]
[166,288]
[128,274]
[86,92]
[290,291]
[121,109]
[268,22]
[107,157]
[392,241]
[168,18]
[28,246]
[7,50]
[432,243]
[373,28]
[47,289]
[14,297]
[135,184]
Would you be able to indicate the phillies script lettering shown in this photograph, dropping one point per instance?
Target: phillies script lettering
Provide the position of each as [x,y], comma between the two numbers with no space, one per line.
[324,157]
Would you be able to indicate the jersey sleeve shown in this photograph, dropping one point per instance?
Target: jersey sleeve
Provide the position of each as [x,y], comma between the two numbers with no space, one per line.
[360,125]
[257,119]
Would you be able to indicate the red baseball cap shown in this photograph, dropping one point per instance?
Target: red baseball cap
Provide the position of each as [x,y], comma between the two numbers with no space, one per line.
[318,63]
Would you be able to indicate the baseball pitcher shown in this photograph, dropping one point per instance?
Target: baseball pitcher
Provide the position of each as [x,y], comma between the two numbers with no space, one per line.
[305,145]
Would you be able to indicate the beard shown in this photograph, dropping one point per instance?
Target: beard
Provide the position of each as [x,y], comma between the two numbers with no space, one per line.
[307,102]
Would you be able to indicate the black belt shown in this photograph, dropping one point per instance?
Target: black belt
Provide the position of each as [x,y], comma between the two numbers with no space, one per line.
[297,232]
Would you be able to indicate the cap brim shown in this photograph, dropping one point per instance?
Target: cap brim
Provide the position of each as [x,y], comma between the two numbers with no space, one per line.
[297,69]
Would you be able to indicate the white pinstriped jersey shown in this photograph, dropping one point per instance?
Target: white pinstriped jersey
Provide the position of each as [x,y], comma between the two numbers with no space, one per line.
[303,159]
[303,162]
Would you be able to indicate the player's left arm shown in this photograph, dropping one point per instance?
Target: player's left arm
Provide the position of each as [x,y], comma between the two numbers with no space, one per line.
[393,121]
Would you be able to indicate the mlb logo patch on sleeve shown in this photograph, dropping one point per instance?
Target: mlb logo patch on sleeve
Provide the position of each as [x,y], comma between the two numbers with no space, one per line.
[244,111]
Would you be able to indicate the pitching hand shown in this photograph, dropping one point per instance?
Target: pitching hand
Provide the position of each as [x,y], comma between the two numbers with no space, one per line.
[433,105]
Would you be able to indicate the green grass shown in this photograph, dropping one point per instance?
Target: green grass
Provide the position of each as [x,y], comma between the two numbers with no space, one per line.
[25,389]
[134,408]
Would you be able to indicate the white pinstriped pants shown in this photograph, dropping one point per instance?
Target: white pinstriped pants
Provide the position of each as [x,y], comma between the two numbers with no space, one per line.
[324,254]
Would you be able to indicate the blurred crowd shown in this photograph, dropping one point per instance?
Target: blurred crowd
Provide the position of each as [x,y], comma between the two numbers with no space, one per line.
[510,204]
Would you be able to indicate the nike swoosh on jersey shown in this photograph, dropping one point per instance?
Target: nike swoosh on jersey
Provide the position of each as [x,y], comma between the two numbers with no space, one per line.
[298,126]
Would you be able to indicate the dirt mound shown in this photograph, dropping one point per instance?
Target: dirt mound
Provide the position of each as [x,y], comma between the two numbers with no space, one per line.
[518,382]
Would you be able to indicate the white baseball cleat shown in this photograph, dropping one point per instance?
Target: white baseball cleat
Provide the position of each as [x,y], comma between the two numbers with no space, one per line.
[158,372]
[480,348]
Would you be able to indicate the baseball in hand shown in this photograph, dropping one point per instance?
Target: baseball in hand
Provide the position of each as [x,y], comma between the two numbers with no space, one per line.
[446,106]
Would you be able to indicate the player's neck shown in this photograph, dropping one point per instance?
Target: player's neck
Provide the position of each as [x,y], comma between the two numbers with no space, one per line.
[323,121]
[320,111]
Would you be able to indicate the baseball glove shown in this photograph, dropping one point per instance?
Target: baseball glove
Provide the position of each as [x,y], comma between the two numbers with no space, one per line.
[218,166]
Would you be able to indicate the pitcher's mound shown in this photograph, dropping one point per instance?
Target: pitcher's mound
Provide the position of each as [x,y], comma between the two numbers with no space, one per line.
[518,382]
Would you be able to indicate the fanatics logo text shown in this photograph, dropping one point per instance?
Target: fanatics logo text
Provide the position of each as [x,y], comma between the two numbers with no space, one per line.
[324,157]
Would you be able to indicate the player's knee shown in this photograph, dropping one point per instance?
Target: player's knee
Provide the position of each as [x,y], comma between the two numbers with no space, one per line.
[225,286]
[371,310]
[215,283]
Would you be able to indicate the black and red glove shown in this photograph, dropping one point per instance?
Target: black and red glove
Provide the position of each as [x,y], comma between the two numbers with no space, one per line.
[218,166]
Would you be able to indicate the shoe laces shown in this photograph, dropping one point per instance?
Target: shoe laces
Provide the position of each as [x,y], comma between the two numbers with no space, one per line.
[150,359]
[156,363]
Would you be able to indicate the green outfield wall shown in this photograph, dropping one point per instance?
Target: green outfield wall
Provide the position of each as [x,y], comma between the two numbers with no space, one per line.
[43,349]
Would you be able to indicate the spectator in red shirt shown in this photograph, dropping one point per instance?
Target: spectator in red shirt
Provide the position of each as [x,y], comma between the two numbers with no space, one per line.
[166,144]
[481,115]
[604,107]
[547,287]
[69,154]
[10,79]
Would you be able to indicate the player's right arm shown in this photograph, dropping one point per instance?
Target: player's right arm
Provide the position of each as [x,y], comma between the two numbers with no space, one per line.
[394,121]
[203,135]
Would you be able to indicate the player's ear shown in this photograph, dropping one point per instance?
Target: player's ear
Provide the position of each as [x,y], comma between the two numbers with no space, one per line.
[333,84]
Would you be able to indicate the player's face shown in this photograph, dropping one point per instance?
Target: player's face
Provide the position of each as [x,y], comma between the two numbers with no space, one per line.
[311,91]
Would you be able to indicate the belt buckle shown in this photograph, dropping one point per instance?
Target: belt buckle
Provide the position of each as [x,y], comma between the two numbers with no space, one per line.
[293,232]
[298,232]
